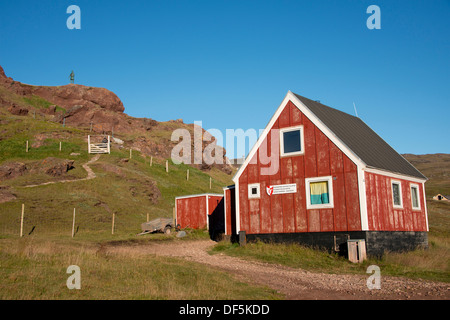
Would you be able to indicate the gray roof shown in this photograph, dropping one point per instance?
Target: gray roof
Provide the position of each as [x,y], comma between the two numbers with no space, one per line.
[363,141]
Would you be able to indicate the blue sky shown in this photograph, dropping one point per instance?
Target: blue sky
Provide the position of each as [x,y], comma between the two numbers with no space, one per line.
[230,63]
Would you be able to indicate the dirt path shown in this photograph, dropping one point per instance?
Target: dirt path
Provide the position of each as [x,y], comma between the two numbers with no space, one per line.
[90,174]
[293,283]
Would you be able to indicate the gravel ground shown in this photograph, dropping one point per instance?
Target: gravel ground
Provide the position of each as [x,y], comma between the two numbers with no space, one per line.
[296,284]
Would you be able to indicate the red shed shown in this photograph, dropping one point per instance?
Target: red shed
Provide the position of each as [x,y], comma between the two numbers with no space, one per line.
[200,211]
[320,176]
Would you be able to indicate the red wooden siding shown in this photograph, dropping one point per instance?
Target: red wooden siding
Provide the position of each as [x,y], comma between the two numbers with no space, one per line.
[287,213]
[381,214]
[192,210]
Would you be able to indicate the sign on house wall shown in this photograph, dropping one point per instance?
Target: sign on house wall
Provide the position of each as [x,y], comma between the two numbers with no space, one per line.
[281,189]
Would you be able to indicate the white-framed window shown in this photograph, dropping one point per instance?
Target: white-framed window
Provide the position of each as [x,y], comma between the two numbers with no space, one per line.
[319,192]
[291,141]
[415,198]
[397,194]
[253,191]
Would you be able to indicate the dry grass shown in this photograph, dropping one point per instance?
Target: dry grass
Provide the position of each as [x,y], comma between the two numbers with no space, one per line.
[433,261]
[36,269]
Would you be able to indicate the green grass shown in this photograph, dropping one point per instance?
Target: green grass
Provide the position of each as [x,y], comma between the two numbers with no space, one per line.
[40,103]
[16,131]
[49,208]
[36,269]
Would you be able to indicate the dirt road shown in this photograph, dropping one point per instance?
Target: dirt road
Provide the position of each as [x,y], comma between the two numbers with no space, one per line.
[293,283]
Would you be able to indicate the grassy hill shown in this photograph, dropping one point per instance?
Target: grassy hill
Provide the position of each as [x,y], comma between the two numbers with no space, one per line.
[129,188]
[436,167]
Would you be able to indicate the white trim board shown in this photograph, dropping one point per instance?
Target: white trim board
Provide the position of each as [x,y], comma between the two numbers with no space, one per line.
[362,199]
[199,195]
[394,175]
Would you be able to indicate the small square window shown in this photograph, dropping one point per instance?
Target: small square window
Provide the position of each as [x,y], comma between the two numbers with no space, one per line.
[253,191]
[291,141]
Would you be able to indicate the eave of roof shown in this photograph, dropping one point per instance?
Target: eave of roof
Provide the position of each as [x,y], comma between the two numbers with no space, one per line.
[361,139]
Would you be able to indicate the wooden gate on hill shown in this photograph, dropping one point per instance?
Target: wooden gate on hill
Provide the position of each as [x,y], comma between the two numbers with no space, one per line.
[99,144]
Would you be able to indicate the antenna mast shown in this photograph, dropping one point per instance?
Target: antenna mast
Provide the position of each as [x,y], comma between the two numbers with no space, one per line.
[356,112]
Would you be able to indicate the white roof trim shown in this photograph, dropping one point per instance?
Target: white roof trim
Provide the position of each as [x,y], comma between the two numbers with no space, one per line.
[199,195]
[228,187]
[262,136]
[394,175]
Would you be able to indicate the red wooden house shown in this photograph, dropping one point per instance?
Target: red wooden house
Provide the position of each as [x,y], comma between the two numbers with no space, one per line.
[320,176]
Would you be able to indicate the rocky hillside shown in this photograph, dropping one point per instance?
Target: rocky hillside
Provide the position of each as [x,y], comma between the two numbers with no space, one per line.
[98,109]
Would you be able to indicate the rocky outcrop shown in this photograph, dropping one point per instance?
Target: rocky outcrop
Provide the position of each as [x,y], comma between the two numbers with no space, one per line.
[102,112]
[12,170]
[18,111]
[66,96]
[74,94]
[53,166]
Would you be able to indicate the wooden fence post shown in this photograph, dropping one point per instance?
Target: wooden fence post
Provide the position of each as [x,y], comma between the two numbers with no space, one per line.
[21,220]
[73,223]
[60,146]
[151,161]
[89,144]
[187,174]
[112,229]
[27,147]
[130,153]
[210,182]
[167,165]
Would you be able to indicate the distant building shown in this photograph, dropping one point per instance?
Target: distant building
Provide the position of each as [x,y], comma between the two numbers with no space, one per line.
[440,197]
